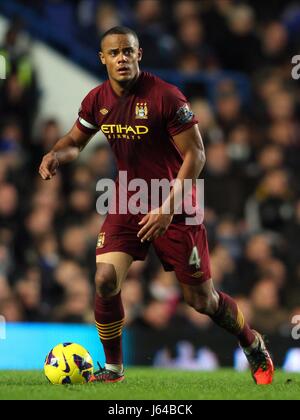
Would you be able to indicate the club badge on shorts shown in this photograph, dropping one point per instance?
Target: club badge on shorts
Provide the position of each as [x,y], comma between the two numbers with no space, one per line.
[101,240]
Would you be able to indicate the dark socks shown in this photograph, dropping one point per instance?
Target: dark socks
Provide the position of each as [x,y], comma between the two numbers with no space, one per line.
[229,317]
[109,316]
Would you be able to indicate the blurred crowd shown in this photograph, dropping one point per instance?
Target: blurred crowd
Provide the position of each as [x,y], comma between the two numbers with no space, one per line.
[191,35]
[48,230]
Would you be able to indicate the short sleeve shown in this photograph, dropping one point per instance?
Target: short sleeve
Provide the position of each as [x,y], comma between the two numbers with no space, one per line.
[86,120]
[177,112]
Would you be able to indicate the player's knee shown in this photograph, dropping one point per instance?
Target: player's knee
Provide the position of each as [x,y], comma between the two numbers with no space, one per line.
[202,303]
[106,280]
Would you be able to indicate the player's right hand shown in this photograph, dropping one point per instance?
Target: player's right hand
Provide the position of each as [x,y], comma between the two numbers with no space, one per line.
[49,166]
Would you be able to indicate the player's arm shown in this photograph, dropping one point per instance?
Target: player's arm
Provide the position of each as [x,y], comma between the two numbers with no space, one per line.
[65,150]
[190,145]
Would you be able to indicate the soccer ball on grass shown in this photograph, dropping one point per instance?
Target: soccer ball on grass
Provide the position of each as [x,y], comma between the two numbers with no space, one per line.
[68,363]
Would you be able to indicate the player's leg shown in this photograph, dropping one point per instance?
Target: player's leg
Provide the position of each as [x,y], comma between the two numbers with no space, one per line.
[185,249]
[117,247]
[224,311]
[221,308]
[112,269]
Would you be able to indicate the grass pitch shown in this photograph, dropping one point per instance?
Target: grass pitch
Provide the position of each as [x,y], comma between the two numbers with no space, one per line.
[153,384]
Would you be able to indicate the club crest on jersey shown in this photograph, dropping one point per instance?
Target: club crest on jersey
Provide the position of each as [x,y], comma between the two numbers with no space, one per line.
[184,114]
[141,111]
[101,240]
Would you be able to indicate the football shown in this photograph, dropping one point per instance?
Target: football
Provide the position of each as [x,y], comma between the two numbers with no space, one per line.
[68,363]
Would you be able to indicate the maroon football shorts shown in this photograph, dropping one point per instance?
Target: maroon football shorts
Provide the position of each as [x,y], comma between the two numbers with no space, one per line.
[183,248]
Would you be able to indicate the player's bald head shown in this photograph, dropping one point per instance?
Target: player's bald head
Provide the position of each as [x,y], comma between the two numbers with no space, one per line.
[120,30]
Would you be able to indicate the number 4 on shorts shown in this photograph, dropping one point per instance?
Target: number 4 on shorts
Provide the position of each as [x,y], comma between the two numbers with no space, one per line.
[194,258]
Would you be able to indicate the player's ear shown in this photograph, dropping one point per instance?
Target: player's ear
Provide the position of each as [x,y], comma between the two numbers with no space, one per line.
[101,57]
[140,54]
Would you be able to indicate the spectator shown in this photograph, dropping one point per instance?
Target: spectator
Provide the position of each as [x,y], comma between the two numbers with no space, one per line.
[272,208]
[228,105]
[268,316]
[11,310]
[243,41]
[149,23]
[224,193]
[157,315]
[29,292]
[275,50]
[132,296]
[76,306]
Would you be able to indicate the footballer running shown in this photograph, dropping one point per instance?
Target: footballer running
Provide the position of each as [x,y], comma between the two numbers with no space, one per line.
[153,135]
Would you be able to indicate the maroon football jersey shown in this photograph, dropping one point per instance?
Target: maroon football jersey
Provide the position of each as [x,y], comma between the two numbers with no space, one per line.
[140,125]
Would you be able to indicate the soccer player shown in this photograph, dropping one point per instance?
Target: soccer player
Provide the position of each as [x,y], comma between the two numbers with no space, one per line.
[153,135]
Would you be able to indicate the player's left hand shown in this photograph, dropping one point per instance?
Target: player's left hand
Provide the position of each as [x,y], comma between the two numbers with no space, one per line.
[154,224]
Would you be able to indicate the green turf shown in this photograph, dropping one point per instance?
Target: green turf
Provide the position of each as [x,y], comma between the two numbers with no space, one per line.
[153,384]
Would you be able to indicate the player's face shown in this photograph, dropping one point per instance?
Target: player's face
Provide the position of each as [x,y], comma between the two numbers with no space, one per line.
[121,55]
